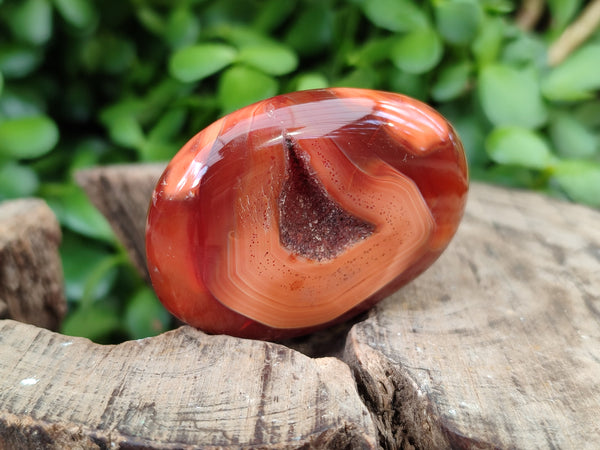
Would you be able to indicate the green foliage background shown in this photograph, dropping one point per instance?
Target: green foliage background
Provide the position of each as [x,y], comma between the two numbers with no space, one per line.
[84,83]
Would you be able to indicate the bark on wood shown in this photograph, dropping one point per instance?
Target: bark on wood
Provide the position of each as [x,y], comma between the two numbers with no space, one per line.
[122,193]
[182,389]
[498,344]
[31,279]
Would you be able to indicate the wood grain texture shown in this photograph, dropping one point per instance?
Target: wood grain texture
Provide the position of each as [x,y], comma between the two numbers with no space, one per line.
[183,389]
[122,193]
[498,344]
[31,277]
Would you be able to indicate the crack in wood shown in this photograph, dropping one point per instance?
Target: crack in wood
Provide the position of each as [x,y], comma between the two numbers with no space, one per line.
[495,346]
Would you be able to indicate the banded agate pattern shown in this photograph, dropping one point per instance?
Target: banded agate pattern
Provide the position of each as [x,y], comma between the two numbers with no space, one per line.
[303,210]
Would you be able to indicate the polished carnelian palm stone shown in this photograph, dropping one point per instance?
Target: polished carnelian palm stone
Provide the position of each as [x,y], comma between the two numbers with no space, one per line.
[303,210]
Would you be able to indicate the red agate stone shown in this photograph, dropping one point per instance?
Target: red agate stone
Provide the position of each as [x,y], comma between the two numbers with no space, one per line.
[303,210]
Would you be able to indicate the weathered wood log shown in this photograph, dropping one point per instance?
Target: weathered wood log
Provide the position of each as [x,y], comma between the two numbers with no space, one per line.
[122,193]
[31,278]
[498,344]
[182,389]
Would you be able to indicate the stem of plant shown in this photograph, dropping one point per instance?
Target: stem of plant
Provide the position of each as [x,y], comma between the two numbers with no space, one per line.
[575,34]
[529,14]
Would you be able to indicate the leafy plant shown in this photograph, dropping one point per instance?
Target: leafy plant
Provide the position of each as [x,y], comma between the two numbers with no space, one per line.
[86,82]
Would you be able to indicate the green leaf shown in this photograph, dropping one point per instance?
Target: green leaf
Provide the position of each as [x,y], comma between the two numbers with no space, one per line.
[272,14]
[487,44]
[509,176]
[17,181]
[108,53]
[21,102]
[372,52]
[18,61]
[511,96]
[240,36]
[471,132]
[31,21]
[418,51]
[145,316]
[162,142]
[127,132]
[562,11]
[272,59]
[571,138]
[123,123]
[589,113]
[169,124]
[458,21]
[157,150]
[409,84]
[240,86]
[87,153]
[520,147]
[200,61]
[147,109]
[152,20]
[161,96]
[94,322]
[312,80]
[452,81]
[74,211]
[311,33]
[362,77]
[498,6]
[183,27]
[27,137]
[89,269]
[78,13]
[124,107]
[223,11]
[580,180]
[395,15]
[525,50]
[576,78]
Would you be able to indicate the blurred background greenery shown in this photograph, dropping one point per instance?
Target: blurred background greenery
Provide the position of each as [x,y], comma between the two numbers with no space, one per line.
[86,83]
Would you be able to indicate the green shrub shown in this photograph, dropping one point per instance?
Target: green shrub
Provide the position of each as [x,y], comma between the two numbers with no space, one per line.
[84,83]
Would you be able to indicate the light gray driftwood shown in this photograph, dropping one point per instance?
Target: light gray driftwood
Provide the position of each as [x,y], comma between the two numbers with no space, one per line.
[498,344]
[31,278]
[122,193]
[182,389]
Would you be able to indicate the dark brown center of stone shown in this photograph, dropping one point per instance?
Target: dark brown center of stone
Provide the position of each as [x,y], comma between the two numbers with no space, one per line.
[311,224]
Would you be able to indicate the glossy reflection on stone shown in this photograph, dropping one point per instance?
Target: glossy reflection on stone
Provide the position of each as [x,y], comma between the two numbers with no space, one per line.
[303,210]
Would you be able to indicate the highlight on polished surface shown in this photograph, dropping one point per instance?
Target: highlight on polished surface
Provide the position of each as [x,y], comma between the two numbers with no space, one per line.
[303,210]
